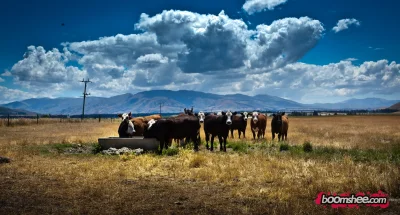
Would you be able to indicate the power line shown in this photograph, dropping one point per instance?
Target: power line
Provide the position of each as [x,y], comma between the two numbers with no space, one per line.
[84,97]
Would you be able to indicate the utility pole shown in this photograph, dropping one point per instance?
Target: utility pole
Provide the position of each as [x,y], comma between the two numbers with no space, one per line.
[84,97]
[161,104]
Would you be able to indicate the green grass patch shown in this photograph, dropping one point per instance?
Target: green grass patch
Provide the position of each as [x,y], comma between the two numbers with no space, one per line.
[238,146]
[307,146]
[284,147]
[170,151]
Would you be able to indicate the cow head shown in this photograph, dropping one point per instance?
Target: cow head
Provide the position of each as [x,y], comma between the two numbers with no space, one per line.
[255,117]
[150,123]
[228,117]
[277,118]
[201,116]
[189,112]
[244,114]
[126,120]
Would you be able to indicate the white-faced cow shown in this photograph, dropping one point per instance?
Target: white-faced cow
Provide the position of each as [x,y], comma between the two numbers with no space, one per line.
[126,128]
[258,124]
[239,122]
[217,125]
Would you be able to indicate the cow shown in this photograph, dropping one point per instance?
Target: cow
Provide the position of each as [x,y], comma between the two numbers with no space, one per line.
[239,123]
[175,127]
[126,128]
[188,112]
[154,116]
[258,124]
[279,125]
[217,125]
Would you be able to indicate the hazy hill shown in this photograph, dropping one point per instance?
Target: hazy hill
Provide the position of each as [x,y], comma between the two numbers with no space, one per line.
[6,111]
[175,101]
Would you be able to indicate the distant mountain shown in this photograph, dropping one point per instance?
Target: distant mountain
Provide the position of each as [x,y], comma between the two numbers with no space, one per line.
[176,101]
[395,106]
[149,102]
[5,111]
[367,103]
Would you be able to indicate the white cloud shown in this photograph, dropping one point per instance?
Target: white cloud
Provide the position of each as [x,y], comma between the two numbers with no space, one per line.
[40,67]
[6,73]
[210,53]
[1,80]
[344,24]
[9,95]
[254,6]
[376,49]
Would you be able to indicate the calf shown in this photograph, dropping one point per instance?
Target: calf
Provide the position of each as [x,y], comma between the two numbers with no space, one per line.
[239,123]
[280,125]
[126,128]
[175,127]
[217,125]
[258,124]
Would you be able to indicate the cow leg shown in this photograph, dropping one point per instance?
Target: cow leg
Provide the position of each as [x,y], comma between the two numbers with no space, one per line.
[273,135]
[279,137]
[196,142]
[239,132]
[254,135]
[220,143]
[161,146]
[225,143]
[285,135]
[207,139]
[212,142]
[244,133]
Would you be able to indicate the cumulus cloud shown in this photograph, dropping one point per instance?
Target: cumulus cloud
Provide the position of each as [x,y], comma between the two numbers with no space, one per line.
[1,80]
[40,67]
[344,24]
[204,52]
[284,41]
[254,6]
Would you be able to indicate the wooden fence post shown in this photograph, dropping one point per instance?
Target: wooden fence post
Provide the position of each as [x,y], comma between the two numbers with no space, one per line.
[99,118]
[8,120]
[37,119]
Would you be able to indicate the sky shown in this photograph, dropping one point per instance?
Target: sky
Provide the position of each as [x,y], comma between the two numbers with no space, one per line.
[309,51]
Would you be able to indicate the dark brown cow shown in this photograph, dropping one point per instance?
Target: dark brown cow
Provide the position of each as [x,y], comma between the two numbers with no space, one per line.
[175,127]
[258,124]
[215,125]
[239,123]
[279,125]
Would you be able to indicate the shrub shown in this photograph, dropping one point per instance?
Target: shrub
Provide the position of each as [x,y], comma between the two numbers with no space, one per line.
[283,147]
[307,146]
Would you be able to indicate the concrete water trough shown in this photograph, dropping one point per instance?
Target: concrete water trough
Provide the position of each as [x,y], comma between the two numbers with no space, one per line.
[147,144]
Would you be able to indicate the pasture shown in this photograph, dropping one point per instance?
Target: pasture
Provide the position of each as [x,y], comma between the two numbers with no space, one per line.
[54,172]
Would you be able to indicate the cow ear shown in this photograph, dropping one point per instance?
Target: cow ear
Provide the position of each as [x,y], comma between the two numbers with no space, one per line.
[273,114]
[120,115]
[223,113]
[283,113]
[129,114]
[234,113]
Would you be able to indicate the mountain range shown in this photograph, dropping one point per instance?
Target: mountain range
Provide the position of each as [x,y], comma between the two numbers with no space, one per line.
[176,101]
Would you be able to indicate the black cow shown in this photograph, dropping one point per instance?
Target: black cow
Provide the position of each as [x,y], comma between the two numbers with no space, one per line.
[217,125]
[176,127]
[239,123]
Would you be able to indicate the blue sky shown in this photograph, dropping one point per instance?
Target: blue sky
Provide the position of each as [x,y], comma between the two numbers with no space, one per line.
[38,24]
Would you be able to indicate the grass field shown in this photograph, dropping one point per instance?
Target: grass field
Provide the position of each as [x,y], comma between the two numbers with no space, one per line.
[349,154]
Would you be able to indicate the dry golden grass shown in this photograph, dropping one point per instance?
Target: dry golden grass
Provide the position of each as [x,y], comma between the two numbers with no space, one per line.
[260,181]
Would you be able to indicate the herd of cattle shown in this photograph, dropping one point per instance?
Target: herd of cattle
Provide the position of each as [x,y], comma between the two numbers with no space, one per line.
[186,126]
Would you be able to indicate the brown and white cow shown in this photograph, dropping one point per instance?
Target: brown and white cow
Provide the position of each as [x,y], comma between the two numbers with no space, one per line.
[258,124]
[126,128]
